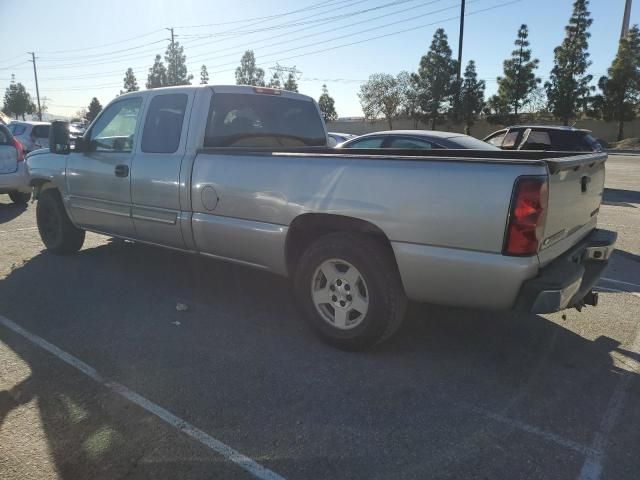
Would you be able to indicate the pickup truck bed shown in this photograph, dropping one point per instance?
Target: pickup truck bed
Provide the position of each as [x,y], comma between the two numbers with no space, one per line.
[465,228]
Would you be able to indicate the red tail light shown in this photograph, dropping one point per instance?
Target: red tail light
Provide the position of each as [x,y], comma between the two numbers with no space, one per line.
[527,216]
[267,90]
[18,146]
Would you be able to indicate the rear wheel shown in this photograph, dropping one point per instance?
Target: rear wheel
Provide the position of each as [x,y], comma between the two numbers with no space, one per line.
[20,198]
[57,232]
[350,290]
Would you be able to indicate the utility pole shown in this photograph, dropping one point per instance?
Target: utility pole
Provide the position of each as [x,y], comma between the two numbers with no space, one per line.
[461,38]
[172,38]
[35,74]
[625,19]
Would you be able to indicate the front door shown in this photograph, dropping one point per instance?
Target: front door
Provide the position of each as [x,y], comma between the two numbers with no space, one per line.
[98,179]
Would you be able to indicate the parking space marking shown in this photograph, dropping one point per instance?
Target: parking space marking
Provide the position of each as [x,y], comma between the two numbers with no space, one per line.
[18,230]
[620,282]
[185,427]
[616,290]
[525,427]
[592,467]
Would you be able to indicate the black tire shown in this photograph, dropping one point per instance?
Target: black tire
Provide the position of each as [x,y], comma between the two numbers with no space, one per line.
[20,198]
[387,302]
[57,232]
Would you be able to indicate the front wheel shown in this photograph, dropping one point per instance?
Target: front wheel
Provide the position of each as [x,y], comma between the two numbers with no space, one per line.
[20,198]
[349,287]
[57,232]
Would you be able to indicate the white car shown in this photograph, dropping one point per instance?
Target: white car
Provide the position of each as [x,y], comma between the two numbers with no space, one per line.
[32,135]
[14,178]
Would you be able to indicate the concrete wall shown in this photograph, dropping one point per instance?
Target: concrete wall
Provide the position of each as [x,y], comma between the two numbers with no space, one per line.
[607,131]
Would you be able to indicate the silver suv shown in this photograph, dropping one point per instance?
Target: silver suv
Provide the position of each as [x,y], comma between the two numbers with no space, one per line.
[32,135]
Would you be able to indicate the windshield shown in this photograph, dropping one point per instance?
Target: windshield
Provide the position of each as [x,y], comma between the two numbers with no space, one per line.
[465,141]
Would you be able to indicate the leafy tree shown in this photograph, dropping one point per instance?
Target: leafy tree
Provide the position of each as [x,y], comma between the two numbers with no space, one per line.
[157,74]
[435,79]
[94,109]
[275,81]
[381,94]
[516,87]
[248,73]
[471,96]
[176,65]
[130,82]
[80,116]
[410,98]
[621,88]
[568,87]
[327,105]
[17,101]
[291,84]
[204,75]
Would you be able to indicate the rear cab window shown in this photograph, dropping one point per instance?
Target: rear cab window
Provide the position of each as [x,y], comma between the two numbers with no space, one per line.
[17,128]
[40,131]
[163,124]
[263,120]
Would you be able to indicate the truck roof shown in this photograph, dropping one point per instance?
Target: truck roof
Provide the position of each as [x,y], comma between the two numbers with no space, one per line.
[246,89]
[552,127]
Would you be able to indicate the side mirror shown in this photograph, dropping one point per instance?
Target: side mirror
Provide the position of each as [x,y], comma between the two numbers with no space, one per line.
[79,145]
[59,138]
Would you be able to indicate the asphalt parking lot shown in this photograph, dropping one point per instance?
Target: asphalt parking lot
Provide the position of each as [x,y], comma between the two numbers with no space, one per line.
[162,393]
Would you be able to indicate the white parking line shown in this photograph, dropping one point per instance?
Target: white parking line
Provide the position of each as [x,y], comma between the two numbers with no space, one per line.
[592,467]
[606,289]
[620,282]
[214,444]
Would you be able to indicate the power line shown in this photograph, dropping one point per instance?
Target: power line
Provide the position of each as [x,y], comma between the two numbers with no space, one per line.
[324,50]
[104,44]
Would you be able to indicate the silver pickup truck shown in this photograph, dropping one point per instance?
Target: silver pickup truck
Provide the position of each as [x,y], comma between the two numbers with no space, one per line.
[243,174]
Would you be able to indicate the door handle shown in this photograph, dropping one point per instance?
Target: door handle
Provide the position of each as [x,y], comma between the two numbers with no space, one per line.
[122,170]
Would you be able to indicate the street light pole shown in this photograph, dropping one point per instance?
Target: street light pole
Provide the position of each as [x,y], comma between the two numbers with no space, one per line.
[625,19]
[461,38]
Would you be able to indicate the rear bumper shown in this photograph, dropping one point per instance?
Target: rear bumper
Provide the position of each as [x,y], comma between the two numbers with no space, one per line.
[567,281]
[15,181]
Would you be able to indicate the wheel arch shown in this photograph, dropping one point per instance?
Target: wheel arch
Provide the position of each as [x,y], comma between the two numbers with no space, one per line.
[306,228]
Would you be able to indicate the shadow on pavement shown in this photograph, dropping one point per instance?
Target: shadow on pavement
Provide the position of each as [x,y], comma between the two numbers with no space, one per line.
[621,198]
[9,211]
[241,365]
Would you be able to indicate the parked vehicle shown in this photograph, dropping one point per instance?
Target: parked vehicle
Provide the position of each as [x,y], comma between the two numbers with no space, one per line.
[336,138]
[243,174]
[76,130]
[544,137]
[14,178]
[32,135]
[416,140]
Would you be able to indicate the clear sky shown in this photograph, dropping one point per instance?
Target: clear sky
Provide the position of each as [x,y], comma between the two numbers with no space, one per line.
[84,48]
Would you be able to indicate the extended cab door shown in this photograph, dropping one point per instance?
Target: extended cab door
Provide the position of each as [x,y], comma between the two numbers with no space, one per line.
[98,180]
[155,176]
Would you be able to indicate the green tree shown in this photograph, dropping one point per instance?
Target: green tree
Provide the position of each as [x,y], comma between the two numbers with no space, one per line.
[435,80]
[410,98]
[516,87]
[176,65]
[382,95]
[291,84]
[568,88]
[620,97]
[471,96]
[157,74]
[204,75]
[275,81]
[94,109]
[248,73]
[130,82]
[327,105]
[17,101]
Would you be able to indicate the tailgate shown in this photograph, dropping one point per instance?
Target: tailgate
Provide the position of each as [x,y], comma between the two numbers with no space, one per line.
[8,159]
[576,185]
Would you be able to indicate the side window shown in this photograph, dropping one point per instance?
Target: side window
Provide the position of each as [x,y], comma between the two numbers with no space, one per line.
[41,131]
[511,139]
[537,140]
[370,142]
[5,136]
[410,143]
[17,129]
[497,139]
[116,126]
[163,124]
